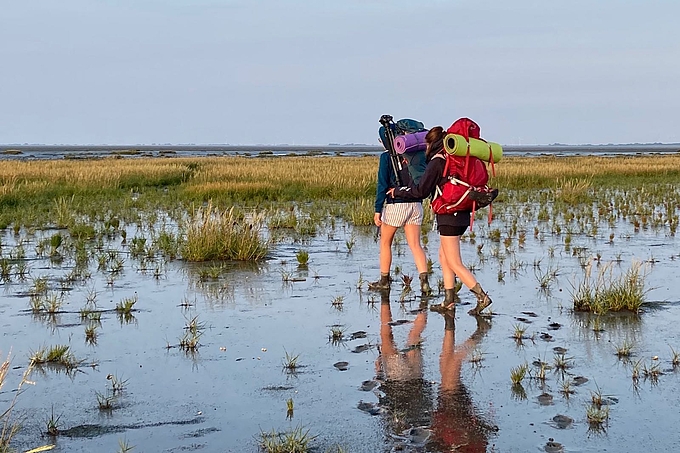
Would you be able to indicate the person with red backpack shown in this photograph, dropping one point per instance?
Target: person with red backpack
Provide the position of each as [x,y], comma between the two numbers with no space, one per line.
[450,225]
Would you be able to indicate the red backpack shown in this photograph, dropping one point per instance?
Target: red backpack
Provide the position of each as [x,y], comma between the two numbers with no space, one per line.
[465,127]
[467,177]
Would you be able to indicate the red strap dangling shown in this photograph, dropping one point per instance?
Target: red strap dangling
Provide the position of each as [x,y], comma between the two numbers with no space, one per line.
[472,214]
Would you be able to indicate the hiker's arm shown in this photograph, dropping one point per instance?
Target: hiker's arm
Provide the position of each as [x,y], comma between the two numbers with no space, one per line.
[427,184]
[383,182]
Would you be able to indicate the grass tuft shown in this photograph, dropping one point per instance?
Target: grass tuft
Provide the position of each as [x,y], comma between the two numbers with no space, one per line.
[295,441]
[609,293]
[215,235]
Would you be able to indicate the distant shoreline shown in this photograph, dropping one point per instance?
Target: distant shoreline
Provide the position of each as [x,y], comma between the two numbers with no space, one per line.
[51,152]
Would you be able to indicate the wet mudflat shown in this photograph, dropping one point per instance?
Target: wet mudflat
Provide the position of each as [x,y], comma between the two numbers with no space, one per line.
[372,372]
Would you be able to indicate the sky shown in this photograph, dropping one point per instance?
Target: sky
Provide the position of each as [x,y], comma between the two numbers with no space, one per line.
[317,72]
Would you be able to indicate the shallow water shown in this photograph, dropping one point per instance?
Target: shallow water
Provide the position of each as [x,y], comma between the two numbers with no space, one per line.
[423,394]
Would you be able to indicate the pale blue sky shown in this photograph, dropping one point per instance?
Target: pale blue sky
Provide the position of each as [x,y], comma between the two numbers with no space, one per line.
[317,71]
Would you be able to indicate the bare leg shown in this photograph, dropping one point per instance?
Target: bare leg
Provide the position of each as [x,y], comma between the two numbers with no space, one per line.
[450,248]
[386,236]
[447,273]
[412,233]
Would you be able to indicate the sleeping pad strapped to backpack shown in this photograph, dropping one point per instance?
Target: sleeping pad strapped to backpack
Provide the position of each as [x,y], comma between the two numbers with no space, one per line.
[409,134]
[467,177]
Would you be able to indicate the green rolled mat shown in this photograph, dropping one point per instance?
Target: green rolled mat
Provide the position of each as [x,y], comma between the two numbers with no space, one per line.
[457,145]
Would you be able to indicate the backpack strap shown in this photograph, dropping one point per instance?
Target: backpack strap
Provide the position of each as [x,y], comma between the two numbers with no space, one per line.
[467,158]
[493,168]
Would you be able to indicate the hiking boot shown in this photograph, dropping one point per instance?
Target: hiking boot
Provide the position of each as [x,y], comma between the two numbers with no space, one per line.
[382,284]
[449,304]
[425,285]
[483,300]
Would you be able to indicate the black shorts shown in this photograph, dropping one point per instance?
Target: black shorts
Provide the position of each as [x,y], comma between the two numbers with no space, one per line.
[449,230]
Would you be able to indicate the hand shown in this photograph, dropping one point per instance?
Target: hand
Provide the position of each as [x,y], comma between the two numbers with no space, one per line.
[376,219]
[390,193]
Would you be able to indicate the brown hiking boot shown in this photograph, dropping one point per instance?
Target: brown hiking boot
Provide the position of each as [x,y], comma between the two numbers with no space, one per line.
[483,300]
[382,284]
[425,288]
[449,304]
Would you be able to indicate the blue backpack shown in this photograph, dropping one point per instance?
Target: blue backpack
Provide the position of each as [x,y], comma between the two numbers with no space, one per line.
[414,162]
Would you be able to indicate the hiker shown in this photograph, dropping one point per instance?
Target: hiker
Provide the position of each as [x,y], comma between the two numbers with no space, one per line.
[450,226]
[392,213]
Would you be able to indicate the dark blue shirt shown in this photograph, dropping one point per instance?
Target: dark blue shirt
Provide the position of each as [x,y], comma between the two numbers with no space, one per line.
[387,180]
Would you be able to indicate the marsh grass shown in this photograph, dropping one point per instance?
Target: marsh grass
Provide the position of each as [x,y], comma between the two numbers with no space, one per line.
[566,388]
[118,383]
[53,424]
[290,363]
[213,234]
[124,446]
[295,441]
[562,362]
[518,373]
[597,416]
[625,349]
[302,257]
[675,358]
[91,334]
[360,212]
[9,427]
[59,355]
[336,335]
[106,402]
[126,306]
[607,292]
[573,191]
[338,302]
[193,331]
[518,332]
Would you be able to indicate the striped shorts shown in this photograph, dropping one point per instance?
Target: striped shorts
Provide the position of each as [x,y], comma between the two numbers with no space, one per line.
[400,214]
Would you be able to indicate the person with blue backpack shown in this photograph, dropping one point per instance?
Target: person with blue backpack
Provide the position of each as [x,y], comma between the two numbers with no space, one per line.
[392,213]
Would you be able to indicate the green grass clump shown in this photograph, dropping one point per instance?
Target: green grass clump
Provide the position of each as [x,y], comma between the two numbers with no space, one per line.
[215,235]
[302,257]
[56,355]
[518,373]
[609,293]
[295,441]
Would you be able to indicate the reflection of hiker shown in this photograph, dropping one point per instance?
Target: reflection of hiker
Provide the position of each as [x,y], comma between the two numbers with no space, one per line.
[392,213]
[407,395]
[450,226]
[455,425]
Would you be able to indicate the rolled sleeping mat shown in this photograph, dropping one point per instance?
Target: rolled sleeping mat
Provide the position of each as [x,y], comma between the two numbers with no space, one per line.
[410,143]
[457,145]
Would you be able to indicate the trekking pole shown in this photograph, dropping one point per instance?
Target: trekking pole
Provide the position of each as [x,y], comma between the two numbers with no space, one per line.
[386,121]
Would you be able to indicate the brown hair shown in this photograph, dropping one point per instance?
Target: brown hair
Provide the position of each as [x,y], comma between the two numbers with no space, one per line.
[435,141]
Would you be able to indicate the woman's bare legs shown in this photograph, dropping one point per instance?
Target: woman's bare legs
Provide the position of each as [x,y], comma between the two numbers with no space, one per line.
[412,232]
[386,236]
[450,248]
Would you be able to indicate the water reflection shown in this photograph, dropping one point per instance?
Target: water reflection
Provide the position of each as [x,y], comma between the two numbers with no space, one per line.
[456,424]
[417,415]
[407,396]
